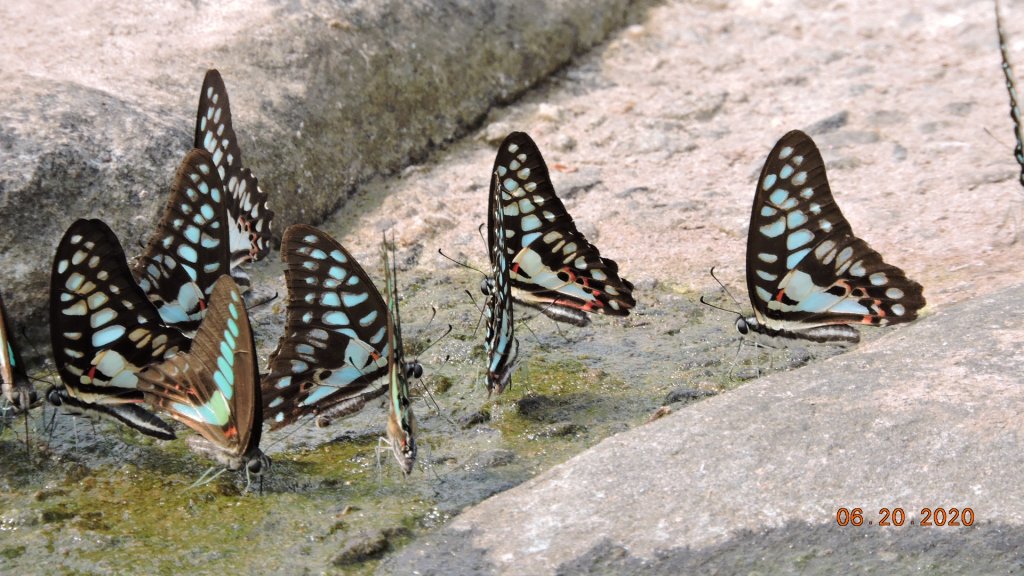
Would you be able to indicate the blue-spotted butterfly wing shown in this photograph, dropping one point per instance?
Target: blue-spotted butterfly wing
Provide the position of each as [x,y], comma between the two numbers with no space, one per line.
[805,267]
[14,383]
[401,428]
[501,344]
[551,264]
[214,388]
[335,342]
[189,249]
[249,218]
[104,329]
[1011,88]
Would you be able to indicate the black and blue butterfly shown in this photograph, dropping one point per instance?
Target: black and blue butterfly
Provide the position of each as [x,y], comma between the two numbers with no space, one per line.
[214,388]
[808,275]
[340,337]
[401,420]
[104,330]
[249,219]
[551,265]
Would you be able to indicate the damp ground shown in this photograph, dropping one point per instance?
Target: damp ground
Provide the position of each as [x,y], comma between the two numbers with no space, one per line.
[98,496]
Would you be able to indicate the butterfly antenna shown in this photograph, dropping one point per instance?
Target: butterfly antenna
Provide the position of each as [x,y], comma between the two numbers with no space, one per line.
[479,318]
[207,477]
[441,337]
[710,305]
[305,422]
[263,302]
[480,231]
[995,138]
[731,297]
[52,427]
[462,264]
[437,407]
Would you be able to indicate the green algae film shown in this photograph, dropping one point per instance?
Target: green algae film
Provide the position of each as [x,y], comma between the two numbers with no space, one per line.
[99,498]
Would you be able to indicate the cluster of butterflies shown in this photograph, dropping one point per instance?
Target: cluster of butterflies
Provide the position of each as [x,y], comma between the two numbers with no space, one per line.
[121,333]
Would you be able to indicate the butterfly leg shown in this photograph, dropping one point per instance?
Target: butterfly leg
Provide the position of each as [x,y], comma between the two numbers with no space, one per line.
[28,447]
[51,428]
[381,441]
[207,477]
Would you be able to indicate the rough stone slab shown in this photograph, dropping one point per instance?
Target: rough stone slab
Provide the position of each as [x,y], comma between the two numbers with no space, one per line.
[97,101]
[751,481]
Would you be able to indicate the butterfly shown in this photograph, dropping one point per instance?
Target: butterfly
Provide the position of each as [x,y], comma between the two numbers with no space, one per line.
[17,390]
[551,264]
[340,336]
[335,342]
[104,330]
[189,249]
[1011,87]
[214,388]
[249,218]
[401,421]
[808,275]
[501,344]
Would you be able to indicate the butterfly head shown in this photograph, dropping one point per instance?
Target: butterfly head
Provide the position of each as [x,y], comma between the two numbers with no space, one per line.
[257,464]
[55,396]
[413,369]
[487,286]
[746,324]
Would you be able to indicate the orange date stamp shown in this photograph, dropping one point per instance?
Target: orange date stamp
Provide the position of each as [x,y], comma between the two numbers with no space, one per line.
[898,517]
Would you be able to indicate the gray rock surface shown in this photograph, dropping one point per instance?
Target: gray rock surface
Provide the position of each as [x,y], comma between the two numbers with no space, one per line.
[97,101]
[751,481]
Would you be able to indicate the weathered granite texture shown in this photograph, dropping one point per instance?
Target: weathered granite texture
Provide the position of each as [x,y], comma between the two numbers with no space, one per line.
[750,482]
[98,100]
